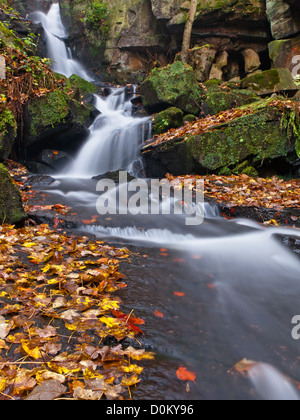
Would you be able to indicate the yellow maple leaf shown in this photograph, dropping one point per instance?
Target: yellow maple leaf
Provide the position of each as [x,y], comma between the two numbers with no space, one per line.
[33,353]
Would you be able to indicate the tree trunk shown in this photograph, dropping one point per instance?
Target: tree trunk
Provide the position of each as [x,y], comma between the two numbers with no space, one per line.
[188,31]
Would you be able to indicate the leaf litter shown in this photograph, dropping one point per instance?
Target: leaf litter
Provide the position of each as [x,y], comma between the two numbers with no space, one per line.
[62,332]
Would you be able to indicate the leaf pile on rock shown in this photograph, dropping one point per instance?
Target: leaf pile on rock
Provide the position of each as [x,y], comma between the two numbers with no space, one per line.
[212,122]
[60,326]
[242,190]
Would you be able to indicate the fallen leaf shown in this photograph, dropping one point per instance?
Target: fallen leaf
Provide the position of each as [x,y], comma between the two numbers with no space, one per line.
[179,294]
[158,314]
[5,327]
[184,375]
[47,391]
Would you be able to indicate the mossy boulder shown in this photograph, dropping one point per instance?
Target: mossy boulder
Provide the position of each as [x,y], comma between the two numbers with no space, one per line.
[170,118]
[8,130]
[55,121]
[247,144]
[271,81]
[220,100]
[174,85]
[256,137]
[80,86]
[284,53]
[11,207]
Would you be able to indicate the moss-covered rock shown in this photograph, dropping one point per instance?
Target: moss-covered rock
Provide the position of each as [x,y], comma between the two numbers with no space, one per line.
[81,87]
[257,136]
[170,118]
[220,100]
[174,85]
[8,130]
[270,81]
[247,144]
[11,208]
[54,121]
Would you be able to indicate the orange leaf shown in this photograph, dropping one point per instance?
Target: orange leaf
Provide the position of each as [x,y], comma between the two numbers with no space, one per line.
[158,314]
[56,222]
[180,294]
[184,375]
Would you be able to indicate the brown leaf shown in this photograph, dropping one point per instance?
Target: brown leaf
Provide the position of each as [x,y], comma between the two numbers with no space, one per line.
[47,391]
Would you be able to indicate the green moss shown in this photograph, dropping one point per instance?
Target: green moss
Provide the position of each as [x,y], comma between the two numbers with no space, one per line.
[170,118]
[218,101]
[257,135]
[11,208]
[48,111]
[8,131]
[7,121]
[8,37]
[270,81]
[174,85]
[79,84]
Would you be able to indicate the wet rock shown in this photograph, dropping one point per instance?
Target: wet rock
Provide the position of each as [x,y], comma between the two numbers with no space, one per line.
[113,176]
[39,181]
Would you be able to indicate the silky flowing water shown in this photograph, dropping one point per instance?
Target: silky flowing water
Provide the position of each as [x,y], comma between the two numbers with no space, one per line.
[238,282]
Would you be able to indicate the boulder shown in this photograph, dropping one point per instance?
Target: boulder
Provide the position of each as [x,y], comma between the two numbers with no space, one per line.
[259,138]
[11,207]
[170,118]
[286,53]
[216,73]
[283,22]
[8,131]
[201,59]
[271,81]
[174,85]
[252,60]
[81,87]
[54,122]
[221,100]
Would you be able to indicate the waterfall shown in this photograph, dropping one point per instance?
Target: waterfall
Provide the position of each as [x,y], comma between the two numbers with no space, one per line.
[55,33]
[115,139]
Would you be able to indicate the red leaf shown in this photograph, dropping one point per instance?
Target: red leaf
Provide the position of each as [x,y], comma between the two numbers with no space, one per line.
[56,222]
[184,375]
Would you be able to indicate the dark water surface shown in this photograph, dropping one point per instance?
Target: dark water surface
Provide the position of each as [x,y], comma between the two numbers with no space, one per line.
[241,289]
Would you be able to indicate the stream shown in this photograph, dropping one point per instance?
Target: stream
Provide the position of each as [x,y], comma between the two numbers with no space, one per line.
[227,290]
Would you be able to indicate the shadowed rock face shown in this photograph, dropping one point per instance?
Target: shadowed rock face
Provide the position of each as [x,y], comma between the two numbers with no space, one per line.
[283,17]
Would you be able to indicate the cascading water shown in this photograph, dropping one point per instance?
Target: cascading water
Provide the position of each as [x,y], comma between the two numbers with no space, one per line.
[55,35]
[238,284]
[115,138]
